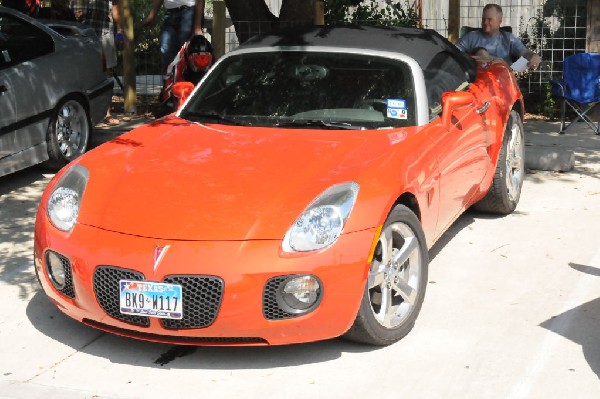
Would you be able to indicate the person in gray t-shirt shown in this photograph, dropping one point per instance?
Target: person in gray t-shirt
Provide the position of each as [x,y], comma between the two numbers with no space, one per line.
[490,41]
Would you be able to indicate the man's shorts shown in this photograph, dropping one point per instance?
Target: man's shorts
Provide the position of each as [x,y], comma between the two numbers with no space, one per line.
[110,52]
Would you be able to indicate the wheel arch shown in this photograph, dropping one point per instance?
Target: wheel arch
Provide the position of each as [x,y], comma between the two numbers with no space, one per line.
[519,107]
[74,95]
[410,201]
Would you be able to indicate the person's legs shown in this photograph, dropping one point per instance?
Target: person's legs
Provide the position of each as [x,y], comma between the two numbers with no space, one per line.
[110,52]
[186,25]
[169,39]
[110,59]
[177,29]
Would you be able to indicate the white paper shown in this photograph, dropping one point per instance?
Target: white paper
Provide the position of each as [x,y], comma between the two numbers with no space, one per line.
[520,65]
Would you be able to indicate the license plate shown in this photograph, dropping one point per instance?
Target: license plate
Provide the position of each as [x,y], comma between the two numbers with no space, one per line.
[144,298]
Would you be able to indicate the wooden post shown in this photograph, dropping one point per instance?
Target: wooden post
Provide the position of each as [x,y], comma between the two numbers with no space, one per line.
[319,12]
[592,44]
[218,28]
[130,94]
[453,20]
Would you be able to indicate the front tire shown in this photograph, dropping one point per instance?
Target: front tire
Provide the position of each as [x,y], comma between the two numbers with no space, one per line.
[505,190]
[69,132]
[396,282]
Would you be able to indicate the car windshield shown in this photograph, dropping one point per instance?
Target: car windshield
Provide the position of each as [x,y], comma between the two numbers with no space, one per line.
[300,89]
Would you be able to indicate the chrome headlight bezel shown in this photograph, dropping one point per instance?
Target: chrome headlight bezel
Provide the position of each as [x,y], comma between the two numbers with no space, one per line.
[322,222]
[64,201]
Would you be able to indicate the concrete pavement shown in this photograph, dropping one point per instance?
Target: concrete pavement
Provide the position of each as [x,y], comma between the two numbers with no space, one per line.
[512,311]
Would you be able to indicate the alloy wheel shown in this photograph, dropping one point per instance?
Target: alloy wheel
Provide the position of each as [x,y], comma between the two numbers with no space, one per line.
[515,162]
[395,274]
[72,129]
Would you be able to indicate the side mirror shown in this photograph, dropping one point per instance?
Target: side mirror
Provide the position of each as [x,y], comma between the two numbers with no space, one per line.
[182,91]
[452,100]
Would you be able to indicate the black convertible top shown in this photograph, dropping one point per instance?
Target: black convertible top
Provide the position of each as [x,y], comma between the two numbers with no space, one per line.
[420,44]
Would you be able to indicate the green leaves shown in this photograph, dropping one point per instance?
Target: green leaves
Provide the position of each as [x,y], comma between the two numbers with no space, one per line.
[371,12]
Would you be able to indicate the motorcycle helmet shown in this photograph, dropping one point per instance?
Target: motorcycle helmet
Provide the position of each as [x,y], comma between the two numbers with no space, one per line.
[198,54]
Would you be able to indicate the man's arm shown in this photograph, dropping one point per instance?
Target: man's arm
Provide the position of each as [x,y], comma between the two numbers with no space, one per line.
[470,43]
[116,16]
[533,58]
[462,45]
[149,21]
[518,49]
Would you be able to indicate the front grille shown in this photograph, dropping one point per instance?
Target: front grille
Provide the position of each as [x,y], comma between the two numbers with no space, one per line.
[271,309]
[201,301]
[201,296]
[106,288]
[67,289]
[178,340]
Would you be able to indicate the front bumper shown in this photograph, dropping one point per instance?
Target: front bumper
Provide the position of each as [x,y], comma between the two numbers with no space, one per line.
[244,267]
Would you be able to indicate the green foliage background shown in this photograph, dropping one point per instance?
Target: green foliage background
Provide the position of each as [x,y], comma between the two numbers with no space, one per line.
[371,12]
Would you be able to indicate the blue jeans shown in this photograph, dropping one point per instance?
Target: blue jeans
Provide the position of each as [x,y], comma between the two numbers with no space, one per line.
[177,28]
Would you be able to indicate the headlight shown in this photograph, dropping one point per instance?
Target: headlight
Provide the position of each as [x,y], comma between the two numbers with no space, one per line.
[64,202]
[323,220]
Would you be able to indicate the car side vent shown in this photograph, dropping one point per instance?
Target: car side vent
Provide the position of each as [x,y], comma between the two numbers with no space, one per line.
[55,264]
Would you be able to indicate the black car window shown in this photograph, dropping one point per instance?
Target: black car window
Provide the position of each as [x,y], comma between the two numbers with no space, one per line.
[301,88]
[444,73]
[20,41]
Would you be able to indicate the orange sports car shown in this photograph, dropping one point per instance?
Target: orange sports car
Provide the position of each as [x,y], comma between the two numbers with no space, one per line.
[293,196]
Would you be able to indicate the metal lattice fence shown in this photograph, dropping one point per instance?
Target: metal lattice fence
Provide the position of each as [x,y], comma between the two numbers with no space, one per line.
[554,29]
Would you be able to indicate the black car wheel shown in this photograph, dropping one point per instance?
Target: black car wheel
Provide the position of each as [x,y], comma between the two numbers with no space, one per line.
[505,191]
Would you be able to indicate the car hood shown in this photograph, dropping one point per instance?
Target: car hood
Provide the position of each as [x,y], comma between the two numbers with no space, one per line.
[173,179]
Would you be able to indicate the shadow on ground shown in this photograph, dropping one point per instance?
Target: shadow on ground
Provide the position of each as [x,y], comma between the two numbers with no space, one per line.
[46,318]
[581,324]
[20,194]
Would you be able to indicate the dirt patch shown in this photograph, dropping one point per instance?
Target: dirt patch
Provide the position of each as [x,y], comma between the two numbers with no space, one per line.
[145,106]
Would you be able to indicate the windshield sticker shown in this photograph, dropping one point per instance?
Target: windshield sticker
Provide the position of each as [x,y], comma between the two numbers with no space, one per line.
[396,108]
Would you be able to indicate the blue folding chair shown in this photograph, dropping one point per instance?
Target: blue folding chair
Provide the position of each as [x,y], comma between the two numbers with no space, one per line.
[579,88]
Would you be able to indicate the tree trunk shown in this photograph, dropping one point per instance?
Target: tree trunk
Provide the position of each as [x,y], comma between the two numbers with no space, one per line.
[251,17]
[298,10]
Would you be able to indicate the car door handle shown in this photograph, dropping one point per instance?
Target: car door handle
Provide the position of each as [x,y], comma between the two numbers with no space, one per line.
[483,108]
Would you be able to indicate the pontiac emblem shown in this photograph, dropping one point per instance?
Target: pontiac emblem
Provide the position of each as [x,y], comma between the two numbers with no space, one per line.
[159,254]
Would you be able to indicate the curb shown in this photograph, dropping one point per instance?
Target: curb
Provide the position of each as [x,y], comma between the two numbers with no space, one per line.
[543,158]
